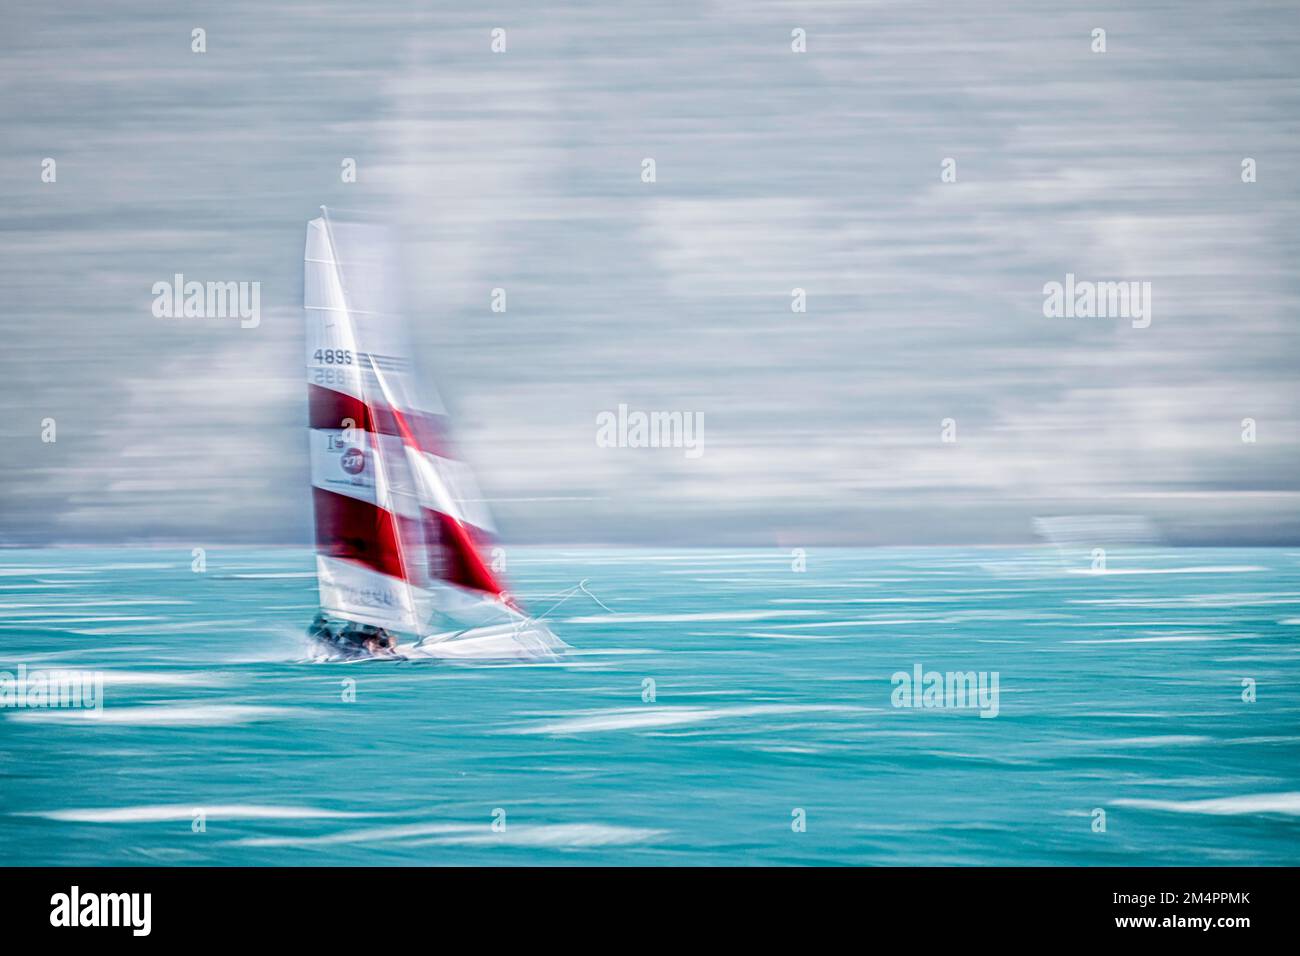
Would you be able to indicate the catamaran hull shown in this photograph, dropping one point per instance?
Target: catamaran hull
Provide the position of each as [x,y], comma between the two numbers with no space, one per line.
[531,643]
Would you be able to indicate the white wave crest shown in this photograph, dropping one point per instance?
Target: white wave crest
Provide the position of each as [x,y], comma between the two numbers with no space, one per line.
[1283,803]
[163,813]
[1210,569]
[461,834]
[156,715]
[643,718]
[555,835]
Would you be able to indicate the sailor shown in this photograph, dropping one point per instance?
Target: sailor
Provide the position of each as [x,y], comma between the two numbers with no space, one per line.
[378,641]
[320,627]
[353,639]
[366,637]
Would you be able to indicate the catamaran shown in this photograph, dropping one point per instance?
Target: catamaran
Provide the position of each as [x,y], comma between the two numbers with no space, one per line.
[401,532]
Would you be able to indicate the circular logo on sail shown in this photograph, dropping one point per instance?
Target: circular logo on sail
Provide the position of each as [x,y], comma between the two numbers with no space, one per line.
[353,461]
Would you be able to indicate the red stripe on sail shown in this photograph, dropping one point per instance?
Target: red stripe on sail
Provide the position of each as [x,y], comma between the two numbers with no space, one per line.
[330,409]
[454,556]
[453,553]
[367,533]
[357,531]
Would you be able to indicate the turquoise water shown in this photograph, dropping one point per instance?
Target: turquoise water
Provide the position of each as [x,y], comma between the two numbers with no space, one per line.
[1118,692]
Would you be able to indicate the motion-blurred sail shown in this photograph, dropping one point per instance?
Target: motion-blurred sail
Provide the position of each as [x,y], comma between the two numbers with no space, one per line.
[399,523]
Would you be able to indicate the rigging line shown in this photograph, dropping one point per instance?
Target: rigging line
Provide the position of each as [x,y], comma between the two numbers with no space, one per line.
[522,620]
[550,594]
[580,586]
[583,586]
[567,594]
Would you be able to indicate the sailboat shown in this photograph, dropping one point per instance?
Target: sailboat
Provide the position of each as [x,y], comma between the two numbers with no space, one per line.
[401,531]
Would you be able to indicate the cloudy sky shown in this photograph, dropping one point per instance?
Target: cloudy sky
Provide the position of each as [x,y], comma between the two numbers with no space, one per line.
[774,170]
